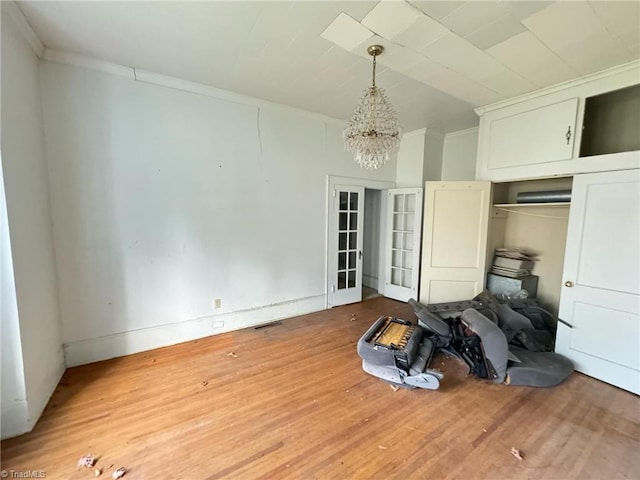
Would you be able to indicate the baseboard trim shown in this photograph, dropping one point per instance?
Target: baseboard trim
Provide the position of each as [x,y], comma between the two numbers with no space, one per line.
[13,419]
[135,341]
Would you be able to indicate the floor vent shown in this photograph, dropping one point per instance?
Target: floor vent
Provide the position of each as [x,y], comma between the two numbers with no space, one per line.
[268,325]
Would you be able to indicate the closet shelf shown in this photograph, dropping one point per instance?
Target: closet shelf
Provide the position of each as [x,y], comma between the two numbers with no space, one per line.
[518,205]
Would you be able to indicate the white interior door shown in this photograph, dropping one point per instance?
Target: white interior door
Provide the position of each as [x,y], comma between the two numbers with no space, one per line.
[402,259]
[346,232]
[600,299]
[454,244]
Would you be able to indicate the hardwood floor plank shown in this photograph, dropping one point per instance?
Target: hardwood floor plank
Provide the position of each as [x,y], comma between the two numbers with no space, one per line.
[294,403]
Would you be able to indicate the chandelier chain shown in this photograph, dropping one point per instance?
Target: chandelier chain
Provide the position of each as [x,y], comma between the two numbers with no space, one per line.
[373,79]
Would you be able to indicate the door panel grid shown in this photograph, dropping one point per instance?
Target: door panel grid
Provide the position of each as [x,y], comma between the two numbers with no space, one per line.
[402,263]
[348,216]
[402,239]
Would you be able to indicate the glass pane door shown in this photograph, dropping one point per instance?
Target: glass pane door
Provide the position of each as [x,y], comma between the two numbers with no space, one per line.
[404,222]
[347,235]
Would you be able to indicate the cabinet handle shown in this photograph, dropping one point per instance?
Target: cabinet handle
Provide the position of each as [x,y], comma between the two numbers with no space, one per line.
[568,134]
[568,283]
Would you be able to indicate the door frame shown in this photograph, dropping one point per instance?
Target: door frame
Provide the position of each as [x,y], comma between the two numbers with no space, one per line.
[332,181]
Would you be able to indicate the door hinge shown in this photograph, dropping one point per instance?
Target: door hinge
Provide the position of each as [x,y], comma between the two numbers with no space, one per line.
[333,288]
[334,193]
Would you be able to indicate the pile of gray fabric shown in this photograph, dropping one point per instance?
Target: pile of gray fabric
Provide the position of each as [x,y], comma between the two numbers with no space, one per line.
[504,342]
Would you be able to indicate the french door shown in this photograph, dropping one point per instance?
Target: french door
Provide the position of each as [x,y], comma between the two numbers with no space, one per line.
[402,260]
[345,237]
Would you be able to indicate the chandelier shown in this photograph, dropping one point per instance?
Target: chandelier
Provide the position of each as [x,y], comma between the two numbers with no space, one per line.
[373,133]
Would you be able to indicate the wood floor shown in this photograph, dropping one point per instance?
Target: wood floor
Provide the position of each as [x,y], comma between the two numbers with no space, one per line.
[293,402]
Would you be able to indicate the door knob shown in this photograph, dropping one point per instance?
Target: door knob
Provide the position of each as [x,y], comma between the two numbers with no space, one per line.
[568,283]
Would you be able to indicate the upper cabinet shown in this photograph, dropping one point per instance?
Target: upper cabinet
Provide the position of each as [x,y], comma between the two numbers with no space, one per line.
[544,134]
[587,125]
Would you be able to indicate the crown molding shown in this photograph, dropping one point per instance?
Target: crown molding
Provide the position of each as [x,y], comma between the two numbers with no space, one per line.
[209,91]
[414,133]
[143,76]
[68,58]
[461,132]
[635,64]
[13,11]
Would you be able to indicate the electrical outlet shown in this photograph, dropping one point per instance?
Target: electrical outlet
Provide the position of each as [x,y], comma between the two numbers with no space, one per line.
[217,303]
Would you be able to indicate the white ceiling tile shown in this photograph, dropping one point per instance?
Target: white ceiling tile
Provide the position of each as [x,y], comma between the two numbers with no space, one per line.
[619,16]
[496,32]
[594,54]
[450,50]
[273,24]
[421,33]
[622,21]
[437,9]
[390,17]
[200,19]
[452,82]
[458,54]
[563,23]
[321,13]
[461,87]
[507,83]
[522,9]
[527,56]
[305,48]
[574,32]
[473,15]
[630,38]
[425,70]
[346,32]
[399,58]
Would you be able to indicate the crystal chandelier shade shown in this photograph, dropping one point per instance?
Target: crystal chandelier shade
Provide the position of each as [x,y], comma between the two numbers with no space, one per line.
[373,133]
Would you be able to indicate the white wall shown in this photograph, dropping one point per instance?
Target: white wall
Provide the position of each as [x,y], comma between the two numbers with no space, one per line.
[164,200]
[371,244]
[29,218]
[432,156]
[13,419]
[419,158]
[410,167]
[459,155]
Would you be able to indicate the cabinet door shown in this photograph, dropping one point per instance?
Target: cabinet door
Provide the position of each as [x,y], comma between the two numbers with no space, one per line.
[600,299]
[542,135]
[454,245]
